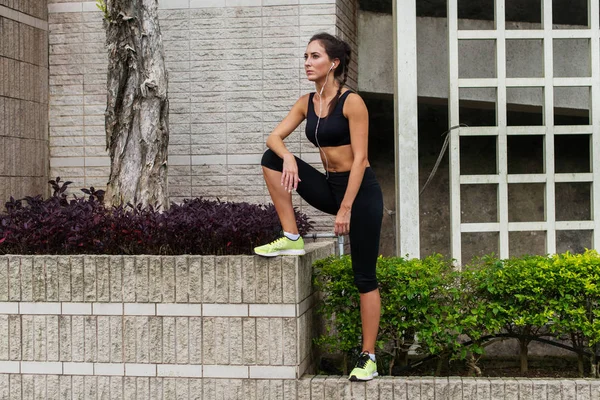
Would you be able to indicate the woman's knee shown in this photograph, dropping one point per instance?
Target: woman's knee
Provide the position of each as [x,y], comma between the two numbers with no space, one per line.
[271,160]
[365,283]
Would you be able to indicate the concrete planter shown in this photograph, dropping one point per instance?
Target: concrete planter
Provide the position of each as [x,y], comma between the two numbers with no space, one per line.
[154,327]
[191,327]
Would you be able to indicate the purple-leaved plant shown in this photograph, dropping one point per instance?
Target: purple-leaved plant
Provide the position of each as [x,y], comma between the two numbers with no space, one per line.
[82,225]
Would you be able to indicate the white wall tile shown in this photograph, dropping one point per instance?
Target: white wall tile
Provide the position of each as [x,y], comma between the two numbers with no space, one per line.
[216,159]
[67,162]
[243,3]
[269,372]
[206,3]
[272,310]
[140,369]
[280,2]
[244,159]
[184,371]
[225,310]
[109,369]
[89,6]
[39,308]
[178,309]
[9,307]
[107,308]
[173,4]
[140,309]
[65,7]
[74,368]
[52,368]
[224,371]
[76,308]
[10,367]
[97,161]
[180,160]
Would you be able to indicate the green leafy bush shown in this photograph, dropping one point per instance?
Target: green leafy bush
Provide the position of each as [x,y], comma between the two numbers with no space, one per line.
[435,311]
[576,307]
[340,307]
[418,296]
[516,292]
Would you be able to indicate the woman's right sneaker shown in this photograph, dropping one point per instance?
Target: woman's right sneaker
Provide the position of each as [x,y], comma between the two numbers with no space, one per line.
[282,247]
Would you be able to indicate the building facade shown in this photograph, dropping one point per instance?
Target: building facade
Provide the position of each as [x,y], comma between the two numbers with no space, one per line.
[518,175]
[24,98]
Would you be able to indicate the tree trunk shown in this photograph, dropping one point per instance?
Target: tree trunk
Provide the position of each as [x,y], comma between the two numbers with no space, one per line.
[580,367]
[524,346]
[594,373]
[578,344]
[440,365]
[137,112]
[473,368]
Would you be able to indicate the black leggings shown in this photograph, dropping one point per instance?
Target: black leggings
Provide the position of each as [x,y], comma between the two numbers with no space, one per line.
[326,194]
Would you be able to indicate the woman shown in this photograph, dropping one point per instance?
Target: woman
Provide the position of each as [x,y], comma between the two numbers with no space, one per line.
[337,123]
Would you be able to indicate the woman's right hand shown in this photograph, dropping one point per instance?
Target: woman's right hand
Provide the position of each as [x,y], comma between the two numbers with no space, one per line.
[289,176]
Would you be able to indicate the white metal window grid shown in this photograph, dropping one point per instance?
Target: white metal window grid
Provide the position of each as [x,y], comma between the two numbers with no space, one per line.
[501,130]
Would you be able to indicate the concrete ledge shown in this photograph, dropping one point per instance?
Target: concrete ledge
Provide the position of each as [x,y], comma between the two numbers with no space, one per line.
[451,388]
[170,380]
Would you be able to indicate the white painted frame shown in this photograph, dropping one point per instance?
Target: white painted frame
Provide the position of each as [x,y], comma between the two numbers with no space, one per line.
[501,131]
[406,136]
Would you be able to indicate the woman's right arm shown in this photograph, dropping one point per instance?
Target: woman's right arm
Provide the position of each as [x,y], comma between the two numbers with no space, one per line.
[289,176]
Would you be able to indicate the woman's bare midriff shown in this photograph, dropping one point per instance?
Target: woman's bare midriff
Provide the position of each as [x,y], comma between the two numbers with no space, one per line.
[339,158]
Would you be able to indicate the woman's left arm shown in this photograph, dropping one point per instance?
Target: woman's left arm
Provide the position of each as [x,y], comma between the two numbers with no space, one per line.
[358,119]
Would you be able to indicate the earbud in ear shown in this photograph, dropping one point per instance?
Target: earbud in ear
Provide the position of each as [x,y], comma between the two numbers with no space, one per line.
[332,65]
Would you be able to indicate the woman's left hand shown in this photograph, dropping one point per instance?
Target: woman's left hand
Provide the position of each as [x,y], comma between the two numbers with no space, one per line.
[342,222]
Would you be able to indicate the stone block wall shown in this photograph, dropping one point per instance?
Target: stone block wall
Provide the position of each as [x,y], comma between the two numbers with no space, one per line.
[160,326]
[23,98]
[235,70]
[347,29]
[308,388]
[443,388]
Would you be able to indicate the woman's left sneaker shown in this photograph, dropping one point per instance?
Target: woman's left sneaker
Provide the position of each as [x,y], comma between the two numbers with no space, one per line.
[282,247]
[365,369]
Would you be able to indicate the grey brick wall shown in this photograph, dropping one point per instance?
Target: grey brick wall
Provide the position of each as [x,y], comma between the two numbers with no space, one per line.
[39,386]
[230,317]
[346,24]
[235,70]
[453,388]
[35,8]
[23,98]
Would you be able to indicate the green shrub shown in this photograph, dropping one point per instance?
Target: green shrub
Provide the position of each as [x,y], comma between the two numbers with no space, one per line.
[430,308]
[577,313]
[418,299]
[340,307]
[516,291]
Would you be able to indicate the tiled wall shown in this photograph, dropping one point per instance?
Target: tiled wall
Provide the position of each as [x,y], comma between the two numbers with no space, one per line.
[45,387]
[80,387]
[235,70]
[95,317]
[453,388]
[23,98]
[346,26]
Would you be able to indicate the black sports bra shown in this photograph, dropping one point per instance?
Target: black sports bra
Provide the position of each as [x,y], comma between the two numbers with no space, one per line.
[333,130]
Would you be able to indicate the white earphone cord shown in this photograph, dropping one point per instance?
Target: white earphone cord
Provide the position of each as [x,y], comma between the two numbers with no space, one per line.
[318,120]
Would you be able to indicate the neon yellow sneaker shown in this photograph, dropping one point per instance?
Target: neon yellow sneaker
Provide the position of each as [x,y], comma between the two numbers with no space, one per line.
[282,247]
[365,369]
